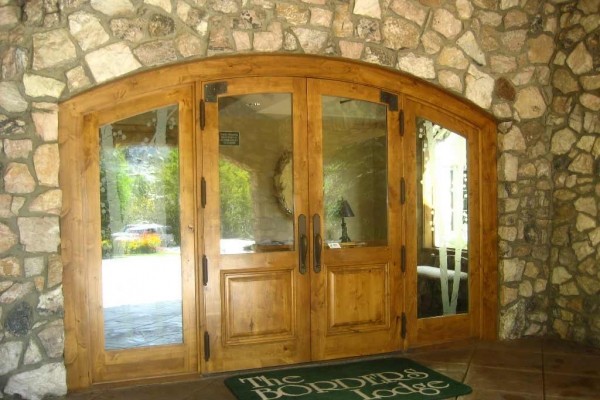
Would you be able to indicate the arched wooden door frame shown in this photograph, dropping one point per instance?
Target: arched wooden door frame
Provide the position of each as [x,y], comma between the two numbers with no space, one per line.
[72,119]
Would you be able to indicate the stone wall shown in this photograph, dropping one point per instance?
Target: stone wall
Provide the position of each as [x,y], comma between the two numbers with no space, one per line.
[534,64]
[575,147]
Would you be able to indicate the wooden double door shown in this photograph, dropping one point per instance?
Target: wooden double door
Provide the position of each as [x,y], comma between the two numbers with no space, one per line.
[213,221]
[302,214]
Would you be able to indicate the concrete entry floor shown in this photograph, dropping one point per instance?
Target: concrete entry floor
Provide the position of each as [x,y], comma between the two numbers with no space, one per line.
[524,369]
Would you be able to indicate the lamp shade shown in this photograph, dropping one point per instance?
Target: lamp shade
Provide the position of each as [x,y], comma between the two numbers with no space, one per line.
[345,209]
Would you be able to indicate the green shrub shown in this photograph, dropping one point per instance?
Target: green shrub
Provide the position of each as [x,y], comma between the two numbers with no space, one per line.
[107,248]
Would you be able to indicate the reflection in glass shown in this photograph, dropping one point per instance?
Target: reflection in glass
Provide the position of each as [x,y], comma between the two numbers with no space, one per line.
[442,263]
[355,172]
[139,198]
[283,183]
[255,173]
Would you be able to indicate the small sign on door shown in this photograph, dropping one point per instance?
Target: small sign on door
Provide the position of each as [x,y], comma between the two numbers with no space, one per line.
[228,138]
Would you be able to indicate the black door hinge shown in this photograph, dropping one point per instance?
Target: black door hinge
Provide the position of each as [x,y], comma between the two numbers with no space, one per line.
[213,90]
[403,258]
[204,270]
[401,120]
[206,346]
[202,115]
[402,191]
[403,326]
[390,99]
[203,192]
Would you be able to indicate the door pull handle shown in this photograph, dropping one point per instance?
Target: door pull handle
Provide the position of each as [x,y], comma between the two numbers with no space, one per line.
[318,247]
[317,243]
[303,244]
[303,253]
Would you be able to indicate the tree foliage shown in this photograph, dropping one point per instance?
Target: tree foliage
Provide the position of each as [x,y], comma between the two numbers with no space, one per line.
[236,201]
[147,191]
[170,181]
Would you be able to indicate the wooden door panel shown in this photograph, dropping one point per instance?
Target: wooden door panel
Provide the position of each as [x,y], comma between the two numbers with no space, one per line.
[445,329]
[252,314]
[358,298]
[119,365]
[256,299]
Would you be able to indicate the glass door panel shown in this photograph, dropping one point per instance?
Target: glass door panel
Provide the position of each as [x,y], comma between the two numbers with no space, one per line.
[355,215]
[256,187]
[141,261]
[256,293]
[354,172]
[443,225]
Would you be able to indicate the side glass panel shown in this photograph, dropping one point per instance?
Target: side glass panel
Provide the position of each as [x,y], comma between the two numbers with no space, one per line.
[443,229]
[354,172]
[256,173]
[141,263]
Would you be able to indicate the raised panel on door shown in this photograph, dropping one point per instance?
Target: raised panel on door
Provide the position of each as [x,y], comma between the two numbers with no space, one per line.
[254,165]
[252,315]
[358,297]
[142,290]
[355,164]
[443,227]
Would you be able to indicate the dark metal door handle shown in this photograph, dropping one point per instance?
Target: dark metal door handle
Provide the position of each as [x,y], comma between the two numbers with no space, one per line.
[318,246]
[317,243]
[303,252]
[303,244]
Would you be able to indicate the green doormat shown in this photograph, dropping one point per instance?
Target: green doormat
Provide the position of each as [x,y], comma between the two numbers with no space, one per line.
[389,378]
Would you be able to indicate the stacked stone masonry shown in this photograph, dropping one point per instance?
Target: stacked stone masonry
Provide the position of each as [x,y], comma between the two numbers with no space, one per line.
[534,64]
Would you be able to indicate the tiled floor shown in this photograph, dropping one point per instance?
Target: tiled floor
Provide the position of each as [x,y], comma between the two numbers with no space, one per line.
[525,369]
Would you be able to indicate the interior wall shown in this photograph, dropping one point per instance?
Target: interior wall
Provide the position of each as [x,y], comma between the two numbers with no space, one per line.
[533,64]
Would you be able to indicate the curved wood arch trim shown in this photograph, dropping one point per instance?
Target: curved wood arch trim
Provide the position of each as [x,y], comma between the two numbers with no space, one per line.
[239,66]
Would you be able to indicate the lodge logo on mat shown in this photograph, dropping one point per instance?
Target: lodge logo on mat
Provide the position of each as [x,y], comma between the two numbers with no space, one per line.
[365,387]
[387,378]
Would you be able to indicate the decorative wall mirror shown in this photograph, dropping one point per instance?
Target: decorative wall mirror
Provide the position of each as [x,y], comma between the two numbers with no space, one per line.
[283,184]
